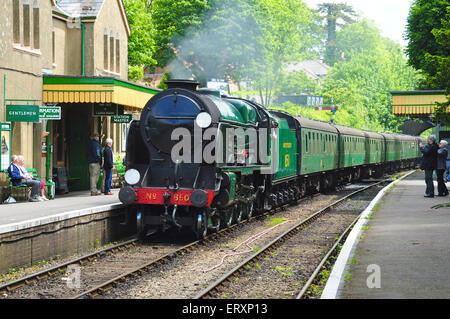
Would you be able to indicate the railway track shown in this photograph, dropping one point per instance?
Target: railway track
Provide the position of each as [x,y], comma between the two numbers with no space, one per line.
[124,276]
[223,284]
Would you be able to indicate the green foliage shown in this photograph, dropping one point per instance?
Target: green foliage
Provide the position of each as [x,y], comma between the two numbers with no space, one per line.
[360,83]
[226,46]
[141,45]
[135,73]
[428,35]
[296,82]
[162,85]
[172,20]
[428,32]
[287,29]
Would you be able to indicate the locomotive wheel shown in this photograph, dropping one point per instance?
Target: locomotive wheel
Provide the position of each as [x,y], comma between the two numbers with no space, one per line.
[227,217]
[238,212]
[201,225]
[248,210]
[214,223]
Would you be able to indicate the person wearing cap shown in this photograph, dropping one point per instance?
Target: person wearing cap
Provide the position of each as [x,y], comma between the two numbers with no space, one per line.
[94,157]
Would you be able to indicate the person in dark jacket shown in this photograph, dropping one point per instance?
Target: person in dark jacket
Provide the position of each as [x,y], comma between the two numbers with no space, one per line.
[94,157]
[429,163]
[108,165]
[441,167]
[18,177]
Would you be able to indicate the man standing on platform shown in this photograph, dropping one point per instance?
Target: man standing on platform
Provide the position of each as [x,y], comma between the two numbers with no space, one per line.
[108,165]
[94,157]
[441,167]
[429,163]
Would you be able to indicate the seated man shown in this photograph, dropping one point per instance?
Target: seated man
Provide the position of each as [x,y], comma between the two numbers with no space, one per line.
[25,173]
[19,178]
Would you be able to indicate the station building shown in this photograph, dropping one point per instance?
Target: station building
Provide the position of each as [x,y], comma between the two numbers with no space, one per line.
[420,107]
[68,61]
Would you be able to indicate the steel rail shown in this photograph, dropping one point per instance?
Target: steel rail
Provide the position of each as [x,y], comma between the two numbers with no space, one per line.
[318,269]
[100,289]
[44,274]
[209,291]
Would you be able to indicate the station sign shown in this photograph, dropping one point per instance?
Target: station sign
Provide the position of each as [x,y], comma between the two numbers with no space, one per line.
[22,113]
[50,113]
[105,109]
[126,118]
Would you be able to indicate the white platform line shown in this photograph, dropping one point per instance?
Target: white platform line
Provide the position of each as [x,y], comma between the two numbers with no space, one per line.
[336,279]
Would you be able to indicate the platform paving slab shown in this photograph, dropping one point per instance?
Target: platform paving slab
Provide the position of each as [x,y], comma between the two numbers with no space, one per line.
[407,243]
[22,215]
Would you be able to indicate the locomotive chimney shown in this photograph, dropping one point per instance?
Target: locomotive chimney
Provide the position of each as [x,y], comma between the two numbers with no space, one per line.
[183,84]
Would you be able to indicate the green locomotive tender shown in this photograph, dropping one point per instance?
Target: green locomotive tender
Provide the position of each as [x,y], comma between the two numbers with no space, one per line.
[203,161]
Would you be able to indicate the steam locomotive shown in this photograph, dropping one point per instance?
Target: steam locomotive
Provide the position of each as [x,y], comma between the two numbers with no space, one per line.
[203,161]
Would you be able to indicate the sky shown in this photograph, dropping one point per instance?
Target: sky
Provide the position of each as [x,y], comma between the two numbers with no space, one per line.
[389,15]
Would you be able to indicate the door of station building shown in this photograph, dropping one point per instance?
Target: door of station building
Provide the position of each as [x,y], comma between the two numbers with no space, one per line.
[77,136]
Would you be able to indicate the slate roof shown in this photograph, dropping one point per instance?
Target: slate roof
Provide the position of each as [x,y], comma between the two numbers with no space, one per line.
[80,8]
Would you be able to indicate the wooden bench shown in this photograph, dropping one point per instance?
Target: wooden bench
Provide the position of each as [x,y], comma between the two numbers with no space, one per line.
[22,192]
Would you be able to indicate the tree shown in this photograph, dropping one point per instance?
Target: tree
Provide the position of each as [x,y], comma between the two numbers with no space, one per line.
[296,82]
[141,46]
[172,21]
[428,32]
[333,12]
[225,46]
[424,17]
[360,84]
[287,28]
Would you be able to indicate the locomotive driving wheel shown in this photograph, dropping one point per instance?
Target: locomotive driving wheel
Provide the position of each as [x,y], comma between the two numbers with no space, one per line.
[227,217]
[239,212]
[248,210]
[200,226]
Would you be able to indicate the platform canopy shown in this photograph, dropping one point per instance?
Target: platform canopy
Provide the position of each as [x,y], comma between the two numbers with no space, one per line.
[419,104]
[69,89]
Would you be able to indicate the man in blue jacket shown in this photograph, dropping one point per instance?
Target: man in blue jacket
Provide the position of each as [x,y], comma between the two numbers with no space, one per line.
[108,165]
[18,178]
[94,157]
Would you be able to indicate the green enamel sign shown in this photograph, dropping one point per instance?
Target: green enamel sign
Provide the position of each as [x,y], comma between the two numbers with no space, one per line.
[22,113]
[50,113]
[126,118]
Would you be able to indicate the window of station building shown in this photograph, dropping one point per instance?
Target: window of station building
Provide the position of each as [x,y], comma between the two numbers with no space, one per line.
[117,54]
[53,44]
[16,21]
[36,40]
[105,50]
[111,52]
[26,24]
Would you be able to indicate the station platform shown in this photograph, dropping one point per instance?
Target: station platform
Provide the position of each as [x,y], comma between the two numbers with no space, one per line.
[401,249]
[22,215]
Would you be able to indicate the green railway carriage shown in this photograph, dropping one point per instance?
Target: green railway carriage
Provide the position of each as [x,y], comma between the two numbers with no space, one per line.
[374,148]
[319,147]
[392,152]
[351,147]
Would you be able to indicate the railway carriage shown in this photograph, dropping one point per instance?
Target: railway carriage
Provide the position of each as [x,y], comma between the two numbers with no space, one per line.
[184,169]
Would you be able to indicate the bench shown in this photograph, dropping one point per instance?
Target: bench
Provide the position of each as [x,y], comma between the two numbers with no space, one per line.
[22,192]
